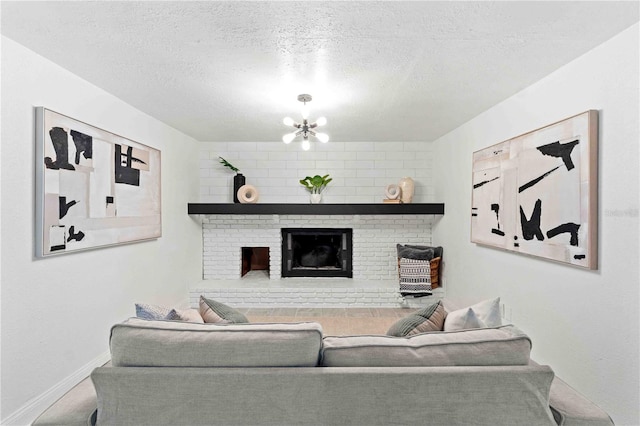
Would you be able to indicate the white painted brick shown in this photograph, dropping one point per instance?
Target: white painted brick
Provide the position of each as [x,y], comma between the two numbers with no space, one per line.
[280,172]
[272,146]
[284,155]
[341,155]
[329,164]
[312,155]
[395,165]
[370,155]
[388,146]
[374,245]
[417,147]
[360,146]
[360,165]
[413,164]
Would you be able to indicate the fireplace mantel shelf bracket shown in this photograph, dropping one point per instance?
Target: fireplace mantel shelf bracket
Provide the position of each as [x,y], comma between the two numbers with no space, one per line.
[316,209]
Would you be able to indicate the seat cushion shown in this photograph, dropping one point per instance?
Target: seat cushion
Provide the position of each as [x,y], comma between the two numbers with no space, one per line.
[143,343]
[504,345]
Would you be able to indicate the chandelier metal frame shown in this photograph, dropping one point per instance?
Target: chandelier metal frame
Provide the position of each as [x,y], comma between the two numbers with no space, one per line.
[305,128]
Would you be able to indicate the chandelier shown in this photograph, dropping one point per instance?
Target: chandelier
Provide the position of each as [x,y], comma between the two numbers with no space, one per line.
[304,128]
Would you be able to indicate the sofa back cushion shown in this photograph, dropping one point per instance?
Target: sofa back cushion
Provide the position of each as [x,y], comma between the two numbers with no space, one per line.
[143,343]
[505,345]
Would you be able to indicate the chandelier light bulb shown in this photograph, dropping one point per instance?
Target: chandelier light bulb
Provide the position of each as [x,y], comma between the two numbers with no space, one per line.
[321,121]
[288,121]
[306,144]
[322,137]
[288,137]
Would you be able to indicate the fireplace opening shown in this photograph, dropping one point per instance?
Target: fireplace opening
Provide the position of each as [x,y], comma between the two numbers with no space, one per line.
[317,252]
[255,259]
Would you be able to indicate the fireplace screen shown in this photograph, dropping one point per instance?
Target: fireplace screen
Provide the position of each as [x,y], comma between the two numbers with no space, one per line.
[317,252]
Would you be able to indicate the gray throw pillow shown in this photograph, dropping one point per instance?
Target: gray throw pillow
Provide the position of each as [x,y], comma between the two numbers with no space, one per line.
[437,251]
[426,319]
[213,311]
[418,252]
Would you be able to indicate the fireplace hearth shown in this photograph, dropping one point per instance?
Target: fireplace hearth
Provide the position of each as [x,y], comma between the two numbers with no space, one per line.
[317,252]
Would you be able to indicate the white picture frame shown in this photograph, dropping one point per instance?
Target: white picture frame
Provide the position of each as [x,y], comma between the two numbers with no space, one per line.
[93,188]
[536,193]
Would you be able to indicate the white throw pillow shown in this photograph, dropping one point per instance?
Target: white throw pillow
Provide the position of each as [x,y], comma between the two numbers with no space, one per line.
[462,319]
[480,315]
[152,312]
[188,315]
[489,312]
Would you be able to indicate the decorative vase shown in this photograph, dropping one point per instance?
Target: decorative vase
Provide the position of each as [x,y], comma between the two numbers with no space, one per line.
[238,181]
[406,186]
[315,198]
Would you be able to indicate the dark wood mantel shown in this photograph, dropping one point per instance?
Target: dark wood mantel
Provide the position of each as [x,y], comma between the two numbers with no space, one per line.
[316,209]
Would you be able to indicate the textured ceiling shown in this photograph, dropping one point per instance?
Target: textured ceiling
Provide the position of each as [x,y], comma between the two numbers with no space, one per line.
[379,71]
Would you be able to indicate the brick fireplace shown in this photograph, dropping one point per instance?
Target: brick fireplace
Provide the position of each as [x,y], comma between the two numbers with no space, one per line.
[374,281]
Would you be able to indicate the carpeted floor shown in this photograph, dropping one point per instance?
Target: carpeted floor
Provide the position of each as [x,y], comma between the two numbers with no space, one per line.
[334,321]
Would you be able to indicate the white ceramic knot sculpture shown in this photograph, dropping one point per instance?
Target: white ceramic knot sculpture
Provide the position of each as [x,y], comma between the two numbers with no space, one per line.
[392,192]
[248,194]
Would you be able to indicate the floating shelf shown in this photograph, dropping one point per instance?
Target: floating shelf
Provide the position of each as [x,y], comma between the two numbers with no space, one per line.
[316,209]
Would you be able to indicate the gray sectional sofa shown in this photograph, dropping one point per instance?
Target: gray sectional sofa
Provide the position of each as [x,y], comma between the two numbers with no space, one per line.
[176,373]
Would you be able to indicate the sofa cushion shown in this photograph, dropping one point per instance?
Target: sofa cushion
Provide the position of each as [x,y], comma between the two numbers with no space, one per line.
[482,314]
[415,277]
[142,343]
[188,315]
[489,312]
[505,345]
[213,311]
[426,319]
[418,252]
[463,319]
[152,312]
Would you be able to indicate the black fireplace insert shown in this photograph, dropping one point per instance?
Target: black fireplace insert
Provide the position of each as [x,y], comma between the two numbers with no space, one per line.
[317,252]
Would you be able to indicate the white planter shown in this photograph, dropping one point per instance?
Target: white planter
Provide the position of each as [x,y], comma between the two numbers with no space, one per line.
[315,198]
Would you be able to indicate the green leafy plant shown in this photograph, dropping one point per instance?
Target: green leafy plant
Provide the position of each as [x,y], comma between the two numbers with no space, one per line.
[228,164]
[315,184]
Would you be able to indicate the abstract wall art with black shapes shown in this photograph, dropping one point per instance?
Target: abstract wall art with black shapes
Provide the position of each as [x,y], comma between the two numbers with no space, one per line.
[93,188]
[536,194]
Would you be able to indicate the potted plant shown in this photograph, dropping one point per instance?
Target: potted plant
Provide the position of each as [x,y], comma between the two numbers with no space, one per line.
[315,185]
[238,179]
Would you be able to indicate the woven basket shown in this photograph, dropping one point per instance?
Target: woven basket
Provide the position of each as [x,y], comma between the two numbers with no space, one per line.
[434,266]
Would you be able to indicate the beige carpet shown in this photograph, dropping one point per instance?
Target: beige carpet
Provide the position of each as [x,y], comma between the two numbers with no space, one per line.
[334,321]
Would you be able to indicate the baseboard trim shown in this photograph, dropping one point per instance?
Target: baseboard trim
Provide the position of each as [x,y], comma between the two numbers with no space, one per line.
[30,411]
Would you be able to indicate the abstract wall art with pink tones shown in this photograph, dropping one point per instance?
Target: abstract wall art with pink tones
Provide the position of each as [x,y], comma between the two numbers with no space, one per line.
[93,188]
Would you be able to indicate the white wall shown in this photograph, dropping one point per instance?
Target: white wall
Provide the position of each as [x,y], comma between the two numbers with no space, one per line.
[56,312]
[360,170]
[585,324]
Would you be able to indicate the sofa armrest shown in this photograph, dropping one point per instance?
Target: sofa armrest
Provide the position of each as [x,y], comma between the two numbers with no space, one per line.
[569,407]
